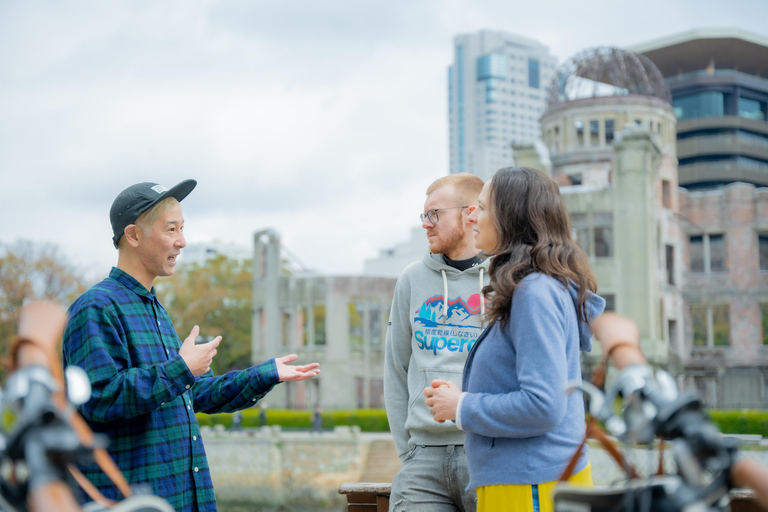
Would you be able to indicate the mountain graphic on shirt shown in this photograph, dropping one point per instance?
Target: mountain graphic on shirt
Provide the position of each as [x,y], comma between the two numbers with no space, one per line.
[432,313]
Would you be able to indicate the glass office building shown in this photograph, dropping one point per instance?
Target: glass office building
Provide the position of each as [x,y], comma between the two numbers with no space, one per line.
[719,84]
[496,95]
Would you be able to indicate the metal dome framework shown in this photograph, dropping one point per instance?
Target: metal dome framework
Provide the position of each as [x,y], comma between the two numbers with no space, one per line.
[606,71]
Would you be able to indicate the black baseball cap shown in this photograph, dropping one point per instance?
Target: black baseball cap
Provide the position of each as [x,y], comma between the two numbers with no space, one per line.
[137,199]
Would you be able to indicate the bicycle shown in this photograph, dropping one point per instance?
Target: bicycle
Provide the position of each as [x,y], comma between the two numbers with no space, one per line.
[707,468]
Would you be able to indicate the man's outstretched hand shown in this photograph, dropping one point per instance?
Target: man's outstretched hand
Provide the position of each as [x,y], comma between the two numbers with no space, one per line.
[295,372]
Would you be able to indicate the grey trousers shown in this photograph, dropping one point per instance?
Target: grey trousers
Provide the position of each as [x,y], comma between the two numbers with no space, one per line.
[433,478]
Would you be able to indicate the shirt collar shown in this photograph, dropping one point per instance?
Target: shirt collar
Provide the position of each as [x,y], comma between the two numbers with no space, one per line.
[132,284]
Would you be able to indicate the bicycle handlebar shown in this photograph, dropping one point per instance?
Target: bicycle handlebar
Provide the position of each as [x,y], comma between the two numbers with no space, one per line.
[620,338]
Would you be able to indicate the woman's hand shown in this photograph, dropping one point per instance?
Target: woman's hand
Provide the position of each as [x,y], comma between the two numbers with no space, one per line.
[442,399]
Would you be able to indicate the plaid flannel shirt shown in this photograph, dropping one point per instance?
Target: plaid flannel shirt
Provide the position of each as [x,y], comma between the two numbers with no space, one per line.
[144,396]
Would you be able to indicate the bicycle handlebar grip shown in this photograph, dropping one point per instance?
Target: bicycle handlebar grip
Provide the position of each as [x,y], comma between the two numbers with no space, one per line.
[748,473]
[619,338]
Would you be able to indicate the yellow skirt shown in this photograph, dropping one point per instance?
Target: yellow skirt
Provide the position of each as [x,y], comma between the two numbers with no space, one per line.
[522,498]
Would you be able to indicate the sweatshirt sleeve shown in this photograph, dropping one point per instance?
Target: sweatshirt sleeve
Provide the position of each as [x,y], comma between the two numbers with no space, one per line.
[537,332]
[396,359]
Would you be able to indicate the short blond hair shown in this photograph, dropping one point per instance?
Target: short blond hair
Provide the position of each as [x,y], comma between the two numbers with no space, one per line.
[148,217]
[467,185]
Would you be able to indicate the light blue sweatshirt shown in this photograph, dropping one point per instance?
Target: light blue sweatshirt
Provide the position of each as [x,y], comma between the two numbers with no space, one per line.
[521,426]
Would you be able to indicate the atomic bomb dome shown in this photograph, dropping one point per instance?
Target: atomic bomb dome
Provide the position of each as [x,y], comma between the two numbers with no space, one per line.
[606,71]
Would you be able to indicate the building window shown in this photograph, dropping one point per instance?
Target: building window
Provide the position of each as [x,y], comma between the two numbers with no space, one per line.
[762,243]
[594,235]
[533,73]
[696,253]
[751,109]
[711,325]
[603,241]
[716,253]
[699,325]
[578,125]
[355,324]
[666,194]
[302,338]
[581,233]
[764,314]
[720,325]
[319,320]
[377,333]
[670,256]
[492,65]
[286,329]
[594,132]
[703,104]
[706,253]
[609,129]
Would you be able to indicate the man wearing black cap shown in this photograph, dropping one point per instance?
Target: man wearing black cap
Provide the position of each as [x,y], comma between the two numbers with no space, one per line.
[147,384]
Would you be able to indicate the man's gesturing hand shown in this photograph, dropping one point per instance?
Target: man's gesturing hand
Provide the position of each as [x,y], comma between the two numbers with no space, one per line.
[198,357]
[295,372]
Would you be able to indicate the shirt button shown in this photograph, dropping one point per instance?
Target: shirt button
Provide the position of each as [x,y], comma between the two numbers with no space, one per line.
[188,407]
[162,403]
[187,386]
[158,322]
[194,438]
[196,470]
[253,400]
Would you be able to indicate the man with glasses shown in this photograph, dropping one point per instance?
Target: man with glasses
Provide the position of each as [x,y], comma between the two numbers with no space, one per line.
[435,319]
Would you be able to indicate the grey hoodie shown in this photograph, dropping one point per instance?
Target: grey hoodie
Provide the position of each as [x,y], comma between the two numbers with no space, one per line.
[435,319]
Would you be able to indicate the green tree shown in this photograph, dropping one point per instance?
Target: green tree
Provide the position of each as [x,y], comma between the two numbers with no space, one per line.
[217,297]
[30,271]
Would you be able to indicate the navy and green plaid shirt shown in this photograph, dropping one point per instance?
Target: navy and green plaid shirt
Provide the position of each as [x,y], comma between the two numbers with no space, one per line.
[144,396]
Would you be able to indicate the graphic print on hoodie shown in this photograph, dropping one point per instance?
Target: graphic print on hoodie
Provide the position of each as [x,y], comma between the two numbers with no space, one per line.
[447,325]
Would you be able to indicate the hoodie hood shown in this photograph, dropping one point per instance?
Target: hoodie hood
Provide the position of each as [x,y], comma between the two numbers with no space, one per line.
[595,306]
[437,263]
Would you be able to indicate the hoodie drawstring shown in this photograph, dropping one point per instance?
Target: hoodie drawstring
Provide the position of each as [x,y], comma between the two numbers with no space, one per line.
[445,296]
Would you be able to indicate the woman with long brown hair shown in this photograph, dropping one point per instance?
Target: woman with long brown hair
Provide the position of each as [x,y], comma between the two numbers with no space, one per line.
[521,427]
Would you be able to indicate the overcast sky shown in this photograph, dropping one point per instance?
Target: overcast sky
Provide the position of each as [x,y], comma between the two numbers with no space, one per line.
[325,120]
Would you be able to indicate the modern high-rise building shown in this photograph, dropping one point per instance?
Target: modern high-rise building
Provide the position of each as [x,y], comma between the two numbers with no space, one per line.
[719,84]
[497,88]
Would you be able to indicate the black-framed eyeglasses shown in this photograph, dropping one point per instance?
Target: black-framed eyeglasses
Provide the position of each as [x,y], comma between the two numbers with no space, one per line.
[432,214]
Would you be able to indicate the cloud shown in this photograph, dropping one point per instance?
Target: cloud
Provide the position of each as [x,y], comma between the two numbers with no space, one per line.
[324,120]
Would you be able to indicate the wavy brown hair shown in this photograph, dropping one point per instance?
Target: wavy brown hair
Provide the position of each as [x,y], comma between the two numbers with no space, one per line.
[533,228]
